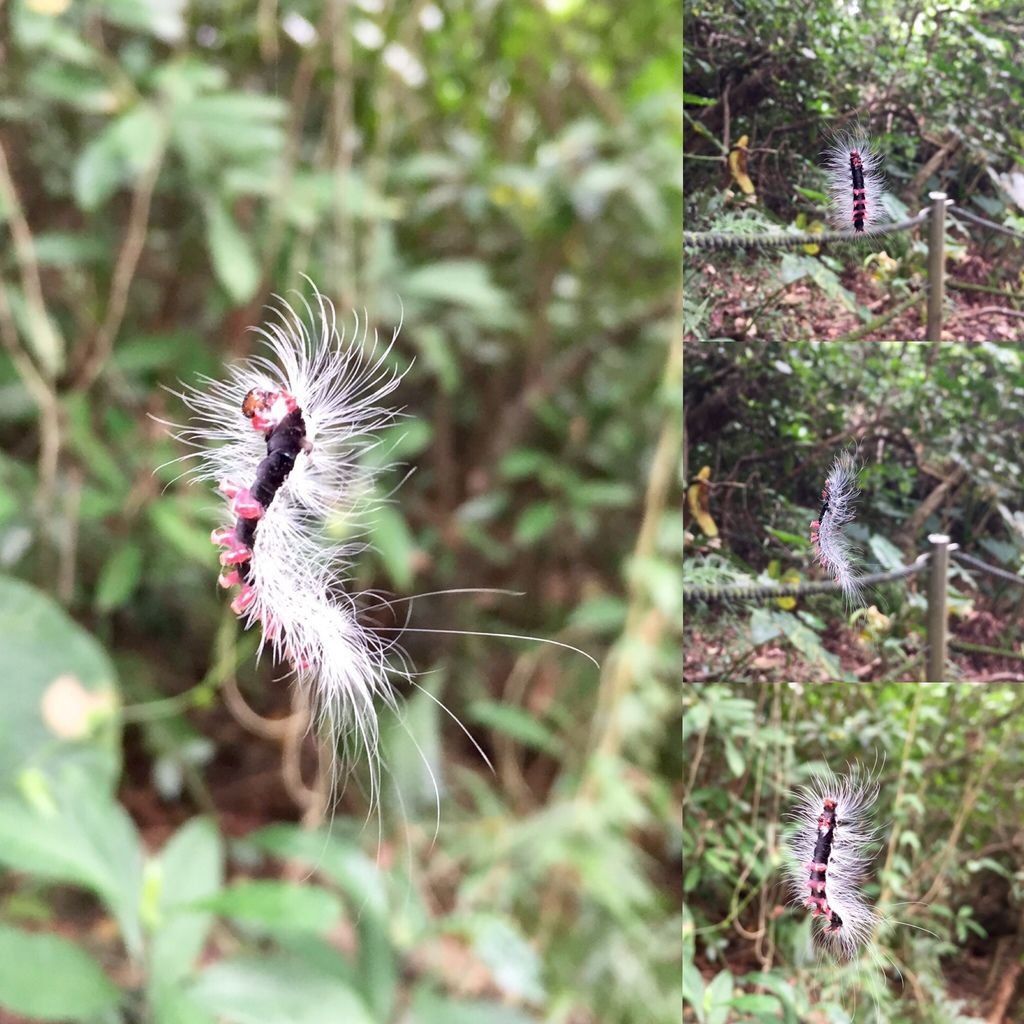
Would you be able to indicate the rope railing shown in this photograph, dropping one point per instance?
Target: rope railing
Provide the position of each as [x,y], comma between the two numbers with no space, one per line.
[973,218]
[741,592]
[991,570]
[936,560]
[784,239]
[936,247]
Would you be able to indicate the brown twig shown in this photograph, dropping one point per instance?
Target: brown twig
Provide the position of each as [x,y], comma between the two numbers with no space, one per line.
[97,353]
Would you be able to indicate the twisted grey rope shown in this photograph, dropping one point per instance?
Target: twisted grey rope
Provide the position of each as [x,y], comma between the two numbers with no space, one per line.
[745,593]
[992,570]
[981,222]
[720,240]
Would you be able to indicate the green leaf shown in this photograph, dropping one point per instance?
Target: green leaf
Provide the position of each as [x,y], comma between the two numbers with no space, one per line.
[118,155]
[602,614]
[186,537]
[524,462]
[45,977]
[440,356]
[461,282]
[763,627]
[402,440]
[68,249]
[277,905]
[84,89]
[160,18]
[717,998]
[536,522]
[411,747]
[514,963]
[364,884]
[430,1007]
[227,130]
[888,555]
[93,448]
[190,868]
[43,334]
[517,723]
[138,354]
[343,862]
[43,646]
[233,259]
[395,545]
[273,989]
[80,835]
[119,577]
[605,493]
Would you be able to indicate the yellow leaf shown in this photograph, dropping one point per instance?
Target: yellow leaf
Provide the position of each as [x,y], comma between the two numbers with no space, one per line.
[698,500]
[790,578]
[738,166]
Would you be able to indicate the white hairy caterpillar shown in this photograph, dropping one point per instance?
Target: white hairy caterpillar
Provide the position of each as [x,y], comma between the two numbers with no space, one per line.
[833,550]
[856,183]
[282,436]
[829,851]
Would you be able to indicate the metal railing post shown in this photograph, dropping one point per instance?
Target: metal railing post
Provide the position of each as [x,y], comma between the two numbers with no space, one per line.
[937,579]
[936,264]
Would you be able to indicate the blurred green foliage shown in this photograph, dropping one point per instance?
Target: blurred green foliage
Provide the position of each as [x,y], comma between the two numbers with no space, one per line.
[945,873]
[939,451]
[927,83]
[504,180]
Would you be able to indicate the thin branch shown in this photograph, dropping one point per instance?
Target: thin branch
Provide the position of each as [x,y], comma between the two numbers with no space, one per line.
[42,328]
[124,271]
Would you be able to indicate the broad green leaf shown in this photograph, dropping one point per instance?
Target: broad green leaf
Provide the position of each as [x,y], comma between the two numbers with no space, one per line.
[440,356]
[81,836]
[118,155]
[431,1007]
[516,723]
[234,261]
[514,963]
[328,854]
[119,577]
[536,522]
[403,440]
[48,654]
[462,282]
[272,905]
[46,977]
[161,18]
[85,89]
[524,463]
[40,329]
[225,130]
[188,869]
[395,546]
[274,989]
[70,249]
[188,538]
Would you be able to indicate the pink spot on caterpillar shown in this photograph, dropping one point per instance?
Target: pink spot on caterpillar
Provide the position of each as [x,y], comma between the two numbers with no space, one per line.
[244,600]
[245,505]
[236,554]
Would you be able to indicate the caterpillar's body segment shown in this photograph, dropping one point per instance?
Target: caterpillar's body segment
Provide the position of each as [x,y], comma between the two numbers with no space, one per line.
[828,851]
[856,183]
